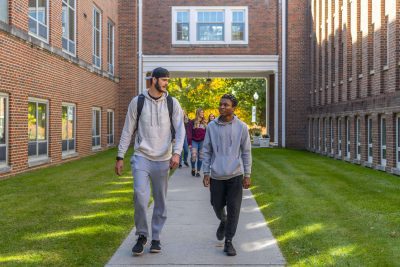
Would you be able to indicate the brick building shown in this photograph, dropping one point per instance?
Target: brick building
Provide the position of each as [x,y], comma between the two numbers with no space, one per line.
[354,97]
[60,79]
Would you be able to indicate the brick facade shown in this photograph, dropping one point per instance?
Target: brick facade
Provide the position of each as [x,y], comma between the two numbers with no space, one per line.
[368,78]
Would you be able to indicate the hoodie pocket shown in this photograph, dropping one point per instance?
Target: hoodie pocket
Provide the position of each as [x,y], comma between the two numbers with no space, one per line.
[225,166]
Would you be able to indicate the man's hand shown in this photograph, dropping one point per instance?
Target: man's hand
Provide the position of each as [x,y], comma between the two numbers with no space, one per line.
[206,180]
[246,182]
[174,162]
[119,166]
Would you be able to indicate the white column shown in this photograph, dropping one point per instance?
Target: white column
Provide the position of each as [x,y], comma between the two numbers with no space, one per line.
[140,52]
[284,17]
[276,107]
[267,105]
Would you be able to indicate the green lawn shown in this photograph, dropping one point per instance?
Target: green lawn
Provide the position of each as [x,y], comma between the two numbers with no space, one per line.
[328,212]
[74,214]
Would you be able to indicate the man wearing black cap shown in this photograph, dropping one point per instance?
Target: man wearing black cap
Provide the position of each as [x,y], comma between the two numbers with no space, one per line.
[154,118]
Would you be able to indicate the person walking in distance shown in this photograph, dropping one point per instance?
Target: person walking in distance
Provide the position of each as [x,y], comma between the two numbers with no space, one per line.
[196,132]
[155,119]
[227,151]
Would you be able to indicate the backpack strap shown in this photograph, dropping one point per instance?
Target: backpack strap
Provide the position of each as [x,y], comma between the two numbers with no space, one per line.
[170,103]
[139,109]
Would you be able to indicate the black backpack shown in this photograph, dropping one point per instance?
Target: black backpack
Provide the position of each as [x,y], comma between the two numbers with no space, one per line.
[170,104]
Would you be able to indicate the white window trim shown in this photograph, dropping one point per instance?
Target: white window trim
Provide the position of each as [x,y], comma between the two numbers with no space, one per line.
[397,141]
[358,141]
[370,145]
[113,127]
[193,24]
[96,109]
[339,127]
[110,22]
[6,108]
[348,143]
[66,51]
[68,152]
[383,147]
[37,36]
[41,101]
[95,9]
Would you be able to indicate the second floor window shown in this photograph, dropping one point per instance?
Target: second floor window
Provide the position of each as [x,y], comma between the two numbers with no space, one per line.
[38,21]
[4,11]
[182,26]
[68,26]
[210,26]
[238,25]
[96,38]
[110,49]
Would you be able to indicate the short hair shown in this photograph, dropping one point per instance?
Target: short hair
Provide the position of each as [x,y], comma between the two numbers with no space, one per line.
[231,98]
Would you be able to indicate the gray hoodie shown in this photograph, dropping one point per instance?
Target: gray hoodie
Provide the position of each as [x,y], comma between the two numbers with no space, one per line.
[153,136]
[227,149]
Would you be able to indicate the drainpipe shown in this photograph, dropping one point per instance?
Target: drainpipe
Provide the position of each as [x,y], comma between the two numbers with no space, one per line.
[284,30]
[140,53]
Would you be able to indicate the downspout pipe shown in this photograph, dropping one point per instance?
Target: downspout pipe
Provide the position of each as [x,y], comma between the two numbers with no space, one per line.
[284,32]
[140,52]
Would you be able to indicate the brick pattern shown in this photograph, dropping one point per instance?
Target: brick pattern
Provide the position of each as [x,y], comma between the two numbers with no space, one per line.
[28,70]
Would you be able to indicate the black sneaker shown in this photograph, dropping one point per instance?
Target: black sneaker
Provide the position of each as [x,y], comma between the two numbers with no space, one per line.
[229,249]
[198,174]
[180,166]
[186,164]
[193,172]
[155,246]
[221,231]
[138,249]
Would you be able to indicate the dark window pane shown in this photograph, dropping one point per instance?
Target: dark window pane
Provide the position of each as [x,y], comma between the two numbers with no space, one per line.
[42,148]
[32,148]
[43,31]
[71,144]
[3,152]
[64,145]
[93,141]
[65,43]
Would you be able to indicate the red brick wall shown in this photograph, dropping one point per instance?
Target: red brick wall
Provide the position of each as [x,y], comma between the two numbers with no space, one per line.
[262,27]
[26,70]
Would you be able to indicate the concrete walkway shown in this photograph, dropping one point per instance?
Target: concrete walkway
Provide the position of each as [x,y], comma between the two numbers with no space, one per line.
[188,237]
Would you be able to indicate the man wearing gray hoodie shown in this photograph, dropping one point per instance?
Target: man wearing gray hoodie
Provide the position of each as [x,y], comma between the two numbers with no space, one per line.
[227,156]
[154,154]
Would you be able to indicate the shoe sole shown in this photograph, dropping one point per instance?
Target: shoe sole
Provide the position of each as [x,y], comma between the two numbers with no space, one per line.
[155,250]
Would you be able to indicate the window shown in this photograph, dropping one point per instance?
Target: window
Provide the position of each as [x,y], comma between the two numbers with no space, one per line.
[37,129]
[339,127]
[68,128]
[332,135]
[369,131]
[383,141]
[182,26]
[314,133]
[348,148]
[4,11]
[96,38]
[68,26]
[3,130]
[38,22]
[110,127]
[319,133]
[238,25]
[209,25]
[398,141]
[96,127]
[358,138]
[110,50]
[324,122]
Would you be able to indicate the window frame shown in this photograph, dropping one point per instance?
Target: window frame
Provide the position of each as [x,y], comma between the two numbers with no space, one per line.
[111,69]
[383,137]
[6,130]
[339,127]
[332,136]
[37,22]
[193,22]
[94,56]
[348,138]
[94,147]
[358,138]
[112,128]
[37,157]
[75,26]
[68,152]
[370,155]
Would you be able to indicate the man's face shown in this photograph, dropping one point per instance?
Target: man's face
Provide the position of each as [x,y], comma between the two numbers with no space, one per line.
[225,107]
[161,83]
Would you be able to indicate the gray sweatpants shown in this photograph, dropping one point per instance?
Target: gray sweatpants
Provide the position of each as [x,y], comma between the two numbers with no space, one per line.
[144,170]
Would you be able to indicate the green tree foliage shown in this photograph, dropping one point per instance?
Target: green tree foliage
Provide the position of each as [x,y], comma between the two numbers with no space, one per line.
[193,93]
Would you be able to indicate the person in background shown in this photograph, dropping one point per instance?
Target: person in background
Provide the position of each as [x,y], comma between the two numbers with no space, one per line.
[196,132]
[185,151]
[211,117]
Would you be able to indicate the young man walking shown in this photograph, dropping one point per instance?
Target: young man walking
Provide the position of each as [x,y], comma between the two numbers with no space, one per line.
[227,156]
[153,117]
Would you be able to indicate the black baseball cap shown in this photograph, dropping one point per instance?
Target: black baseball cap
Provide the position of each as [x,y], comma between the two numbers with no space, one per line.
[158,73]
